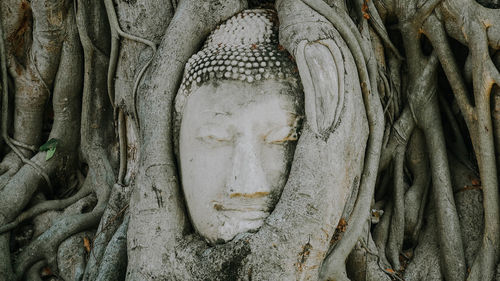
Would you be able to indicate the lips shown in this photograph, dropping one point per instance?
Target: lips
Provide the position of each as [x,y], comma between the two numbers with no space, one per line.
[243,210]
[246,215]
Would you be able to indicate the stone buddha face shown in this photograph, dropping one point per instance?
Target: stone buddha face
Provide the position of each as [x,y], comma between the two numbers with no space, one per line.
[237,119]
[236,144]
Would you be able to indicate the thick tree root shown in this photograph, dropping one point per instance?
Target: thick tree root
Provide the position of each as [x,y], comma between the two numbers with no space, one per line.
[9,166]
[44,207]
[425,265]
[399,136]
[110,222]
[72,256]
[416,196]
[114,263]
[45,246]
[478,118]
[396,234]
[425,110]
[5,265]
[447,218]
[34,80]
[33,273]
[484,75]
[364,262]
[116,31]
[334,265]
[13,161]
[16,195]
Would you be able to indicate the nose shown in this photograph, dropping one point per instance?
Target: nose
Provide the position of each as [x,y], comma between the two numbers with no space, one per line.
[247,178]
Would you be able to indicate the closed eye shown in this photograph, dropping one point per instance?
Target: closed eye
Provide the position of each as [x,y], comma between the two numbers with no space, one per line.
[214,135]
[213,138]
[282,135]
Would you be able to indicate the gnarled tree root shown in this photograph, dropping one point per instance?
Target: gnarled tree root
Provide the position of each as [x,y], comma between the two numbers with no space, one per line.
[110,222]
[45,246]
[46,206]
[114,262]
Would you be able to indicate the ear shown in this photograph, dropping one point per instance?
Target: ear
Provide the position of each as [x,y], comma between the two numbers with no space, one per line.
[321,69]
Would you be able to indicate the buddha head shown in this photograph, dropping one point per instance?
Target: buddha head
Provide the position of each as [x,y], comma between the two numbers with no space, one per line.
[236,120]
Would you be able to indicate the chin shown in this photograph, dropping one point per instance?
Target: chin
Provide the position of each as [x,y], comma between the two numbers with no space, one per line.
[228,230]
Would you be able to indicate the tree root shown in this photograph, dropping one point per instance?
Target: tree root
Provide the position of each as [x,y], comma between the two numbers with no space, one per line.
[16,195]
[45,246]
[364,262]
[396,233]
[378,26]
[447,218]
[33,81]
[457,144]
[116,31]
[122,138]
[72,256]
[479,123]
[416,196]
[425,110]
[108,226]
[437,35]
[114,263]
[484,75]
[33,273]
[44,207]
[478,28]
[425,265]
[381,233]
[470,210]
[334,265]
[10,165]
[22,185]
[5,265]
[400,134]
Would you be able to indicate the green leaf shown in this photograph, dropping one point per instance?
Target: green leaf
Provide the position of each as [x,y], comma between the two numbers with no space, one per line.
[50,144]
[50,153]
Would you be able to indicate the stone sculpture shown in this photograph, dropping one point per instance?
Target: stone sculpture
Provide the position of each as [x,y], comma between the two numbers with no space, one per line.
[238,115]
